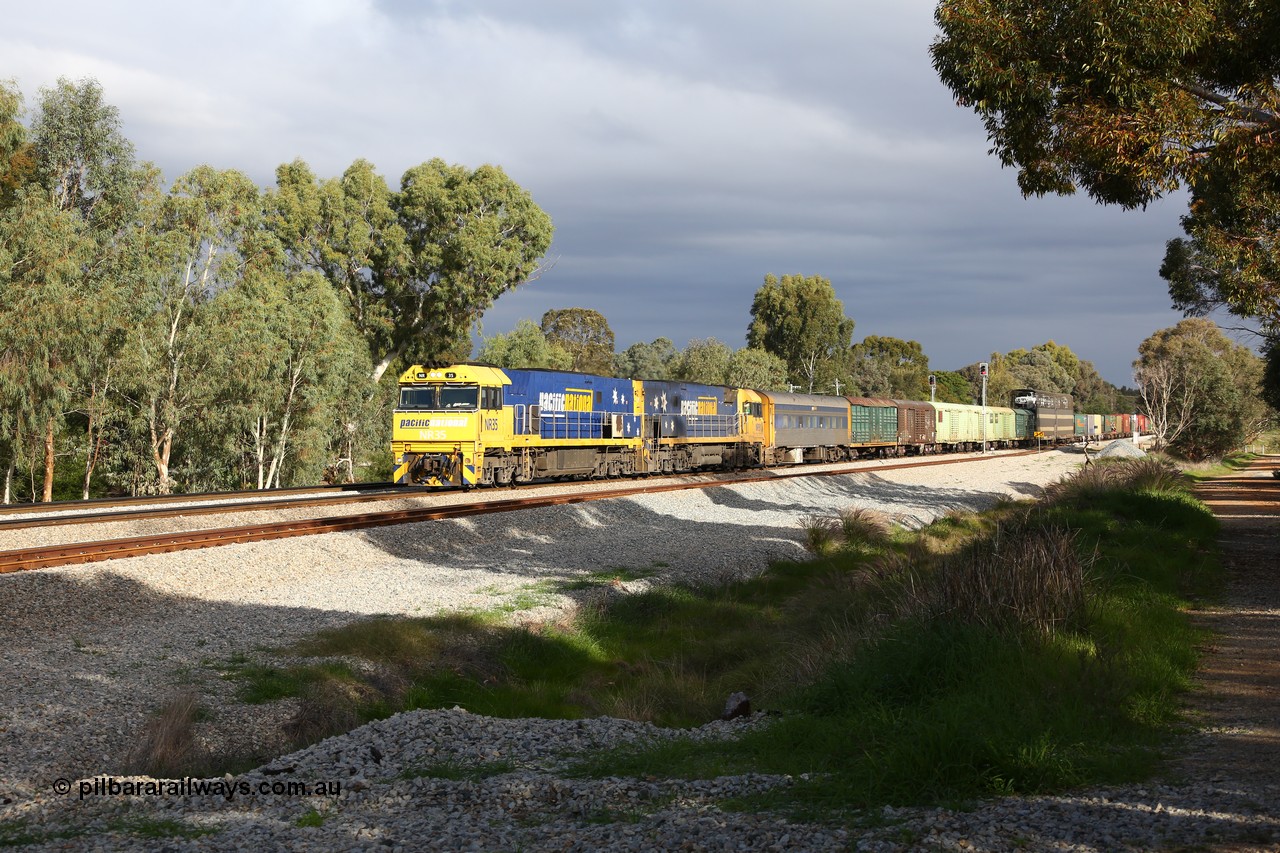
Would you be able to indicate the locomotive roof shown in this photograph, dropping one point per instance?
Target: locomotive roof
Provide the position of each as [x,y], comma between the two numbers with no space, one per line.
[481,374]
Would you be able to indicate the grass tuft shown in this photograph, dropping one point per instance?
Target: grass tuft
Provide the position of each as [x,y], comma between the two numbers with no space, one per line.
[821,533]
[863,526]
[167,745]
[1030,575]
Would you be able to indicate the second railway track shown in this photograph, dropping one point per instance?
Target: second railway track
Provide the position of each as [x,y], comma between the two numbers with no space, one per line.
[49,556]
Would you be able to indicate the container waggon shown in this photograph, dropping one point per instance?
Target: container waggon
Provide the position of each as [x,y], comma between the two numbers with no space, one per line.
[1052,416]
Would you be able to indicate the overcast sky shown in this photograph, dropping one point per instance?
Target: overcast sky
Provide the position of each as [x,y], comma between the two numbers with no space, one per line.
[683,148]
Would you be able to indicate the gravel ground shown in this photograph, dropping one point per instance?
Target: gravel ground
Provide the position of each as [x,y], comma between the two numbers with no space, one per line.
[91,652]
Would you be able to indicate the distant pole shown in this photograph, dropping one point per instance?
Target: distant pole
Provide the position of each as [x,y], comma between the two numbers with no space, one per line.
[983,369]
[933,386]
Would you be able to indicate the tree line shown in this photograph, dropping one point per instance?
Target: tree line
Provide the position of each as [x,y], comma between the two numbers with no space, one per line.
[800,339]
[206,334]
[1202,391]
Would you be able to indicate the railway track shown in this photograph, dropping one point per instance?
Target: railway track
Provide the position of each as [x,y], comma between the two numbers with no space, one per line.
[248,497]
[50,556]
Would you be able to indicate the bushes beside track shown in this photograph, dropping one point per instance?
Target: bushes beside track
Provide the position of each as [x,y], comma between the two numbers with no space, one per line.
[1026,649]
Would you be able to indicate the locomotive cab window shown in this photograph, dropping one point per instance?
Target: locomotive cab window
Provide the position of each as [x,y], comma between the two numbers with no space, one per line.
[438,398]
[491,398]
[459,396]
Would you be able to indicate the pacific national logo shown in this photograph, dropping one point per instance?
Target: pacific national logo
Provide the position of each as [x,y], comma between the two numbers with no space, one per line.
[569,401]
[424,423]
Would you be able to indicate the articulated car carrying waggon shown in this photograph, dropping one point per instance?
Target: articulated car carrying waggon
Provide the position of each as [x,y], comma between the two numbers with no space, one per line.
[475,424]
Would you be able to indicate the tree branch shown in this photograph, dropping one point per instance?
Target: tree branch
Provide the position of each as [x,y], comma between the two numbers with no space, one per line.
[1236,109]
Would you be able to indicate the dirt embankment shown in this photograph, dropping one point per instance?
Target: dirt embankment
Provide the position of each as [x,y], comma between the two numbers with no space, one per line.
[1237,699]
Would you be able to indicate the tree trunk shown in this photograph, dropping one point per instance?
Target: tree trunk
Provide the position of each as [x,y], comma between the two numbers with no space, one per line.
[382,365]
[47,495]
[91,458]
[259,448]
[162,464]
[8,483]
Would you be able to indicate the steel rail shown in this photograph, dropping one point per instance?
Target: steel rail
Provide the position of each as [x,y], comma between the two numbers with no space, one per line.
[206,508]
[26,559]
[192,497]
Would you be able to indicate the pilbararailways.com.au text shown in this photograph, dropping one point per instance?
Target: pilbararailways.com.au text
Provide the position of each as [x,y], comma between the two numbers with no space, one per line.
[229,789]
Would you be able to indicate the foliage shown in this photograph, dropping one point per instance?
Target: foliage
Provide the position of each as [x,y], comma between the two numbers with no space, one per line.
[891,368]
[1046,367]
[1200,389]
[756,368]
[525,346]
[416,267]
[1040,370]
[1130,102]
[16,160]
[952,387]
[704,361]
[1126,101]
[800,320]
[584,334]
[647,361]
[211,335]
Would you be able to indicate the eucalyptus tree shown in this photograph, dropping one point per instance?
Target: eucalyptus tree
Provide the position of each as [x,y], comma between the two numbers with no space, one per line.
[525,346]
[42,251]
[584,334]
[1130,102]
[951,387]
[70,186]
[703,360]
[15,149]
[890,367]
[282,340]
[800,320]
[646,361]
[419,266]
[1037,368]
[751,367]
[1200,388]
[197,229]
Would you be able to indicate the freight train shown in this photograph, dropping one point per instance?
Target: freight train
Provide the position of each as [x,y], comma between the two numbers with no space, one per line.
[467,425]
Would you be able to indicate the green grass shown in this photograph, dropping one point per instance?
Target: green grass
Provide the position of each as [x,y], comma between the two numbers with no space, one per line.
[893,683]
[141,827]
[1228,464]
[18,833]
[457,771]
